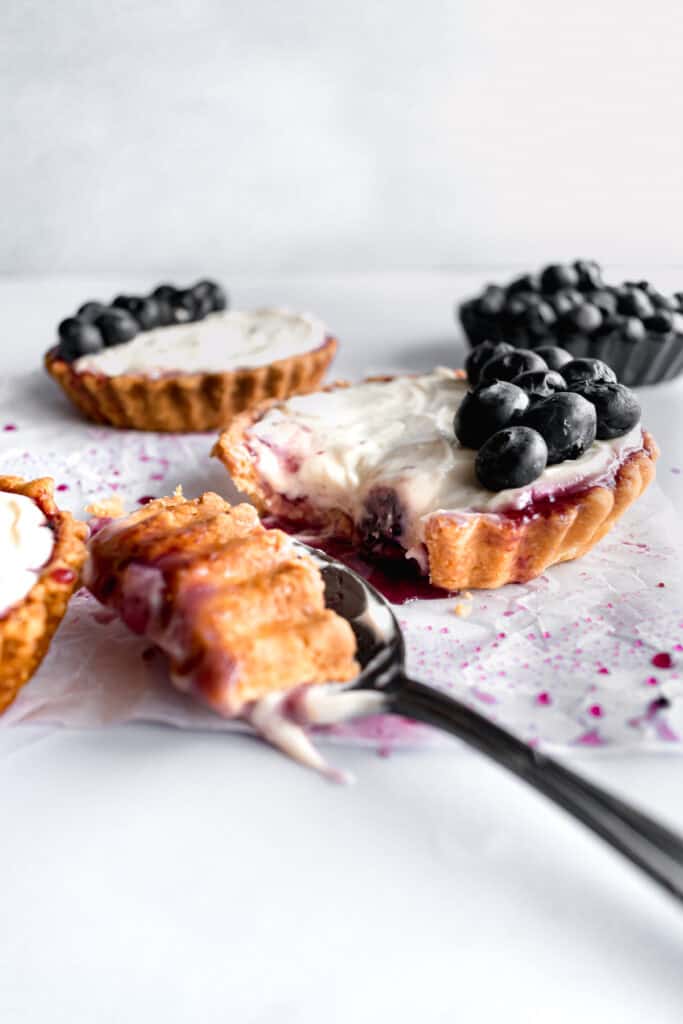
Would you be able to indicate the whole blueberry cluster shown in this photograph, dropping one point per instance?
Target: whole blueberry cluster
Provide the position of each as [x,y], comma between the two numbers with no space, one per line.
[530,409]
[569,304]
[97,325]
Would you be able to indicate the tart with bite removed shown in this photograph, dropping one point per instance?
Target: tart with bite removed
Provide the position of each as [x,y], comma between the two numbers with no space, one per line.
[179,360]
[238,610]
[41,550]
[482,482]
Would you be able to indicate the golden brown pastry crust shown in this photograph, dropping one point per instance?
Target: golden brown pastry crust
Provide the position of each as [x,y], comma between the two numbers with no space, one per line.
[238,611]
[28,627]
[188,402]
[477,551]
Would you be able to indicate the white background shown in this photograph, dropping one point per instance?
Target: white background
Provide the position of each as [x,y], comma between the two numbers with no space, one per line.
[196,134]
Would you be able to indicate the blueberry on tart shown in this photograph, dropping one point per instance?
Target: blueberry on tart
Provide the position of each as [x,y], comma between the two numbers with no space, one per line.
[633,327]
[179,360]
[42,550]
[482,482]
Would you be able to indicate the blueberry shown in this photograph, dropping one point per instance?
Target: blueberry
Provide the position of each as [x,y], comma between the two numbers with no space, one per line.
[567,423]
[492,300]
[511,364]
[663,302]
[635,302]
[557,276]
[586,369]
[634,330]
[589,273]
[117,326]
[660,323]
[585,318]
[518,304]
[554,356]
[540,383]
[486,409]
[90,311]
[562,302]
[215,298]
[526,283]
[616,407]
[481,354]
[382,519]
[605,300]
[78,338]
[186,307]
[539,318]
[512,457]
[165,293]
[144,309]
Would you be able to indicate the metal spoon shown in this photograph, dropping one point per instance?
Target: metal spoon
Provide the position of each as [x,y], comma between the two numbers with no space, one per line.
[381,653]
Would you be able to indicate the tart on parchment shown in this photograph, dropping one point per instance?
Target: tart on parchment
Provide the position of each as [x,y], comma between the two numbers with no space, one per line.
[178,360]
[380,463]
[42,550]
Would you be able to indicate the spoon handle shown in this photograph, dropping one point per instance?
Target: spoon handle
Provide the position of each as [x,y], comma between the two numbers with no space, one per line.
[654,848]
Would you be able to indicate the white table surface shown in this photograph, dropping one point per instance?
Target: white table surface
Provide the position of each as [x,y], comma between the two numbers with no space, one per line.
[155,875]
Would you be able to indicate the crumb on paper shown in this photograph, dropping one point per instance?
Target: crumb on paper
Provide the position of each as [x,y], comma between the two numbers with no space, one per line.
[106,508]
[467,595]
[463,611]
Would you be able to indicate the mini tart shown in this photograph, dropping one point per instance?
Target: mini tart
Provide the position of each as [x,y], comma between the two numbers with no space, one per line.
[26,629]
[179,402]
[468,549]
[238,610]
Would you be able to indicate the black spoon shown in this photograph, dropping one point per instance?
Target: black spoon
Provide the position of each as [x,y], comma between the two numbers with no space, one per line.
[381,654]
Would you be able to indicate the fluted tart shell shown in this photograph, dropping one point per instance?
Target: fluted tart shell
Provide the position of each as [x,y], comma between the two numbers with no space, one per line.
[27,628]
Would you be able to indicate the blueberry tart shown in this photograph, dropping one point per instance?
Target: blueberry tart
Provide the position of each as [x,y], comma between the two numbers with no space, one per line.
[42,550]
[634,328]
[483,481]
[179,360]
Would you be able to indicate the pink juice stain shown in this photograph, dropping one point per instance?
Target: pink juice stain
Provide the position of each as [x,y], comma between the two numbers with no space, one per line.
[145,499]
[9,427]
[662,660]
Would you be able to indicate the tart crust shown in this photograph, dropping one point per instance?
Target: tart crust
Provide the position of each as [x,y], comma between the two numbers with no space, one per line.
[479,550]
[27,628]
[188,402]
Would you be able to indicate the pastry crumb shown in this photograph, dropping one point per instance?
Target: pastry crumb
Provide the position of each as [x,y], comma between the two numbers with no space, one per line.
[106,508]
[467,596]
[178,493]
[463,611]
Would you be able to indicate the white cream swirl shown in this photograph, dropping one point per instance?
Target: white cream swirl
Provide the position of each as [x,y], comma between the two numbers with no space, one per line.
[26,543]
[335,448]
[221,342]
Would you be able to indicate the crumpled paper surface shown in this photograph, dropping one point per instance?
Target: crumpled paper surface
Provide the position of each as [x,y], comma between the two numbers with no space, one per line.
[588,655]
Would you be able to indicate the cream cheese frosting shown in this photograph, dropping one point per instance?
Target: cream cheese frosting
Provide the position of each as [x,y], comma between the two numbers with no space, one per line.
[26,543]
[335,448]
[221,342]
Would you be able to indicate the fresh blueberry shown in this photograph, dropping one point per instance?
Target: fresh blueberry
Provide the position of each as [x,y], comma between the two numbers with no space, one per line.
[605,300]
[586,318]
[481,354]
[144,309]
[90,311]
[663,302]
[660,323]
[635,302]
[557,276]
[511,364]
[634,329]
[78,338]
[539,319]
[215,298]
[540,383]
[117,326]
[492,300]
[512,457]
[526,283]
[616,407]
[487,409]
[586,369]
[590,275]
[186,307]
[562,302]
[567,423]
[165,292]
[554,356]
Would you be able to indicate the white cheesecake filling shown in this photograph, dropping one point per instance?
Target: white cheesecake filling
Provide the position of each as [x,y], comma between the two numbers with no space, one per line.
[222,341]
[26,543]
[335,448]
